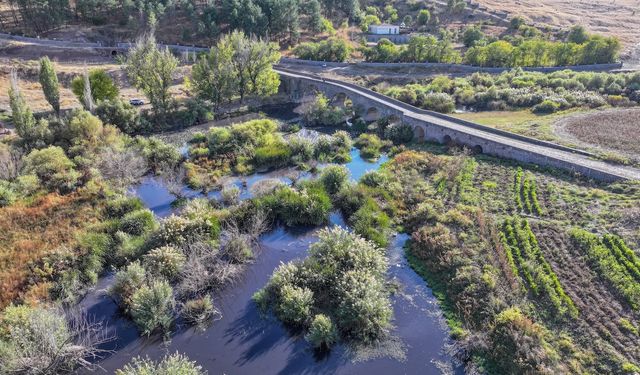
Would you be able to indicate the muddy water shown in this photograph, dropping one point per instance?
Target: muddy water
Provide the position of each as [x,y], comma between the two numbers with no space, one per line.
[243,342]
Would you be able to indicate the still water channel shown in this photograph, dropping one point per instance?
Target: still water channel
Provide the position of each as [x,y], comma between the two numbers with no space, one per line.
[244,342]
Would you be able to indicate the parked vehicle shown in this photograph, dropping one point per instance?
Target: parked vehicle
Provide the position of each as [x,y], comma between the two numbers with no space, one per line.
[136,101]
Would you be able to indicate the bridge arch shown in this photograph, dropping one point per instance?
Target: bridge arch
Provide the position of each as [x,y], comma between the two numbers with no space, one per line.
[340,99]
[372,114]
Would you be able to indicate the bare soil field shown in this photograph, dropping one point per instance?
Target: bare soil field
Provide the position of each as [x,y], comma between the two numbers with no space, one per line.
[614,130]
[619,18]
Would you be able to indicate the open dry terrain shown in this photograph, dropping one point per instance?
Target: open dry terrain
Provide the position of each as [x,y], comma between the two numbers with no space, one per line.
[610,130]
[619,18]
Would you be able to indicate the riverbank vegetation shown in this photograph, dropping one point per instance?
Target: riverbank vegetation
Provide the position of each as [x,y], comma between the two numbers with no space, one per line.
[257,145]
[543,93]
[338,291]
[505,277]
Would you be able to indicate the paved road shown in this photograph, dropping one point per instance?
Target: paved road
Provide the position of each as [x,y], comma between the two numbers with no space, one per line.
[517,142]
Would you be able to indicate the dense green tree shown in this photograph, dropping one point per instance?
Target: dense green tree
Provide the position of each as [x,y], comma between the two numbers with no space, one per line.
[253,62]
[430,49]
[244,15]
[600,50]
[213,77]
[49,82]
[369,19]
[424,17]
[40,15]
[21,114]
[332,49]
[390,13]
[578,35]
[472,35]
[122,115]
[102,86]
[314,16]
[151,70]
[384,51]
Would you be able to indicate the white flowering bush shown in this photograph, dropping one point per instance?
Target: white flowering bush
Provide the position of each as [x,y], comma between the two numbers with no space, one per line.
[165,261]
[180,230]
[175,364]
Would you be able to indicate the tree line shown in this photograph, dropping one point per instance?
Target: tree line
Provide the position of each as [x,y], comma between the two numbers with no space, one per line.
[237,67]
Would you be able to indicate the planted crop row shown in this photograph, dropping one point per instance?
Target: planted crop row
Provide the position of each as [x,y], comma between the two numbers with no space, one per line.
[611,258]
[536,270]
[525,193]
[624,254]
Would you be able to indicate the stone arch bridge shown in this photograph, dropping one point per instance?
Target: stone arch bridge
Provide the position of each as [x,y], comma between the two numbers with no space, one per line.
[433,126]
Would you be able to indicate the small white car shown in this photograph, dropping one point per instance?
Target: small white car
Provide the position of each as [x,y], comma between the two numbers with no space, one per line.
[136,101]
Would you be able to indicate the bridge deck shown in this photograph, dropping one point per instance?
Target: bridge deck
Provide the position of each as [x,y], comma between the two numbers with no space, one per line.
[515,142]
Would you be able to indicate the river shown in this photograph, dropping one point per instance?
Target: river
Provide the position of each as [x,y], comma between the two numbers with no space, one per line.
[244,342]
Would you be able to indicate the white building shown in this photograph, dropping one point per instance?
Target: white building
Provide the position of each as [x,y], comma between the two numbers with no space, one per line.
[384,29]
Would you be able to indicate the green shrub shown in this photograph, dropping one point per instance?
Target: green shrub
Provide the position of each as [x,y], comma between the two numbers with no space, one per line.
[158,153]
[518,345]
[322,332]
[138,222]
[238,248]
[439,102]
[53,168]
[179,230]
[374,179]
[371,223]
[272,155]
[333,178]
[7,194]
[370,145]
[198,152]
[364,311]
[342,277]
[119,207]
[122,115]
[127,281]
[295,304]
[165,261]
[152,307]
[399,133]
[35,340]
[309,206]
[199,310]
[175,364]
[95,246]
[546,106]
[27,184]
[301,149]
[230,195]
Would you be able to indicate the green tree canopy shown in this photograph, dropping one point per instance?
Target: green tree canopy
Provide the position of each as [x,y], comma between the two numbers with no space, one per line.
[151,71]
[49,82]
[102,86]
